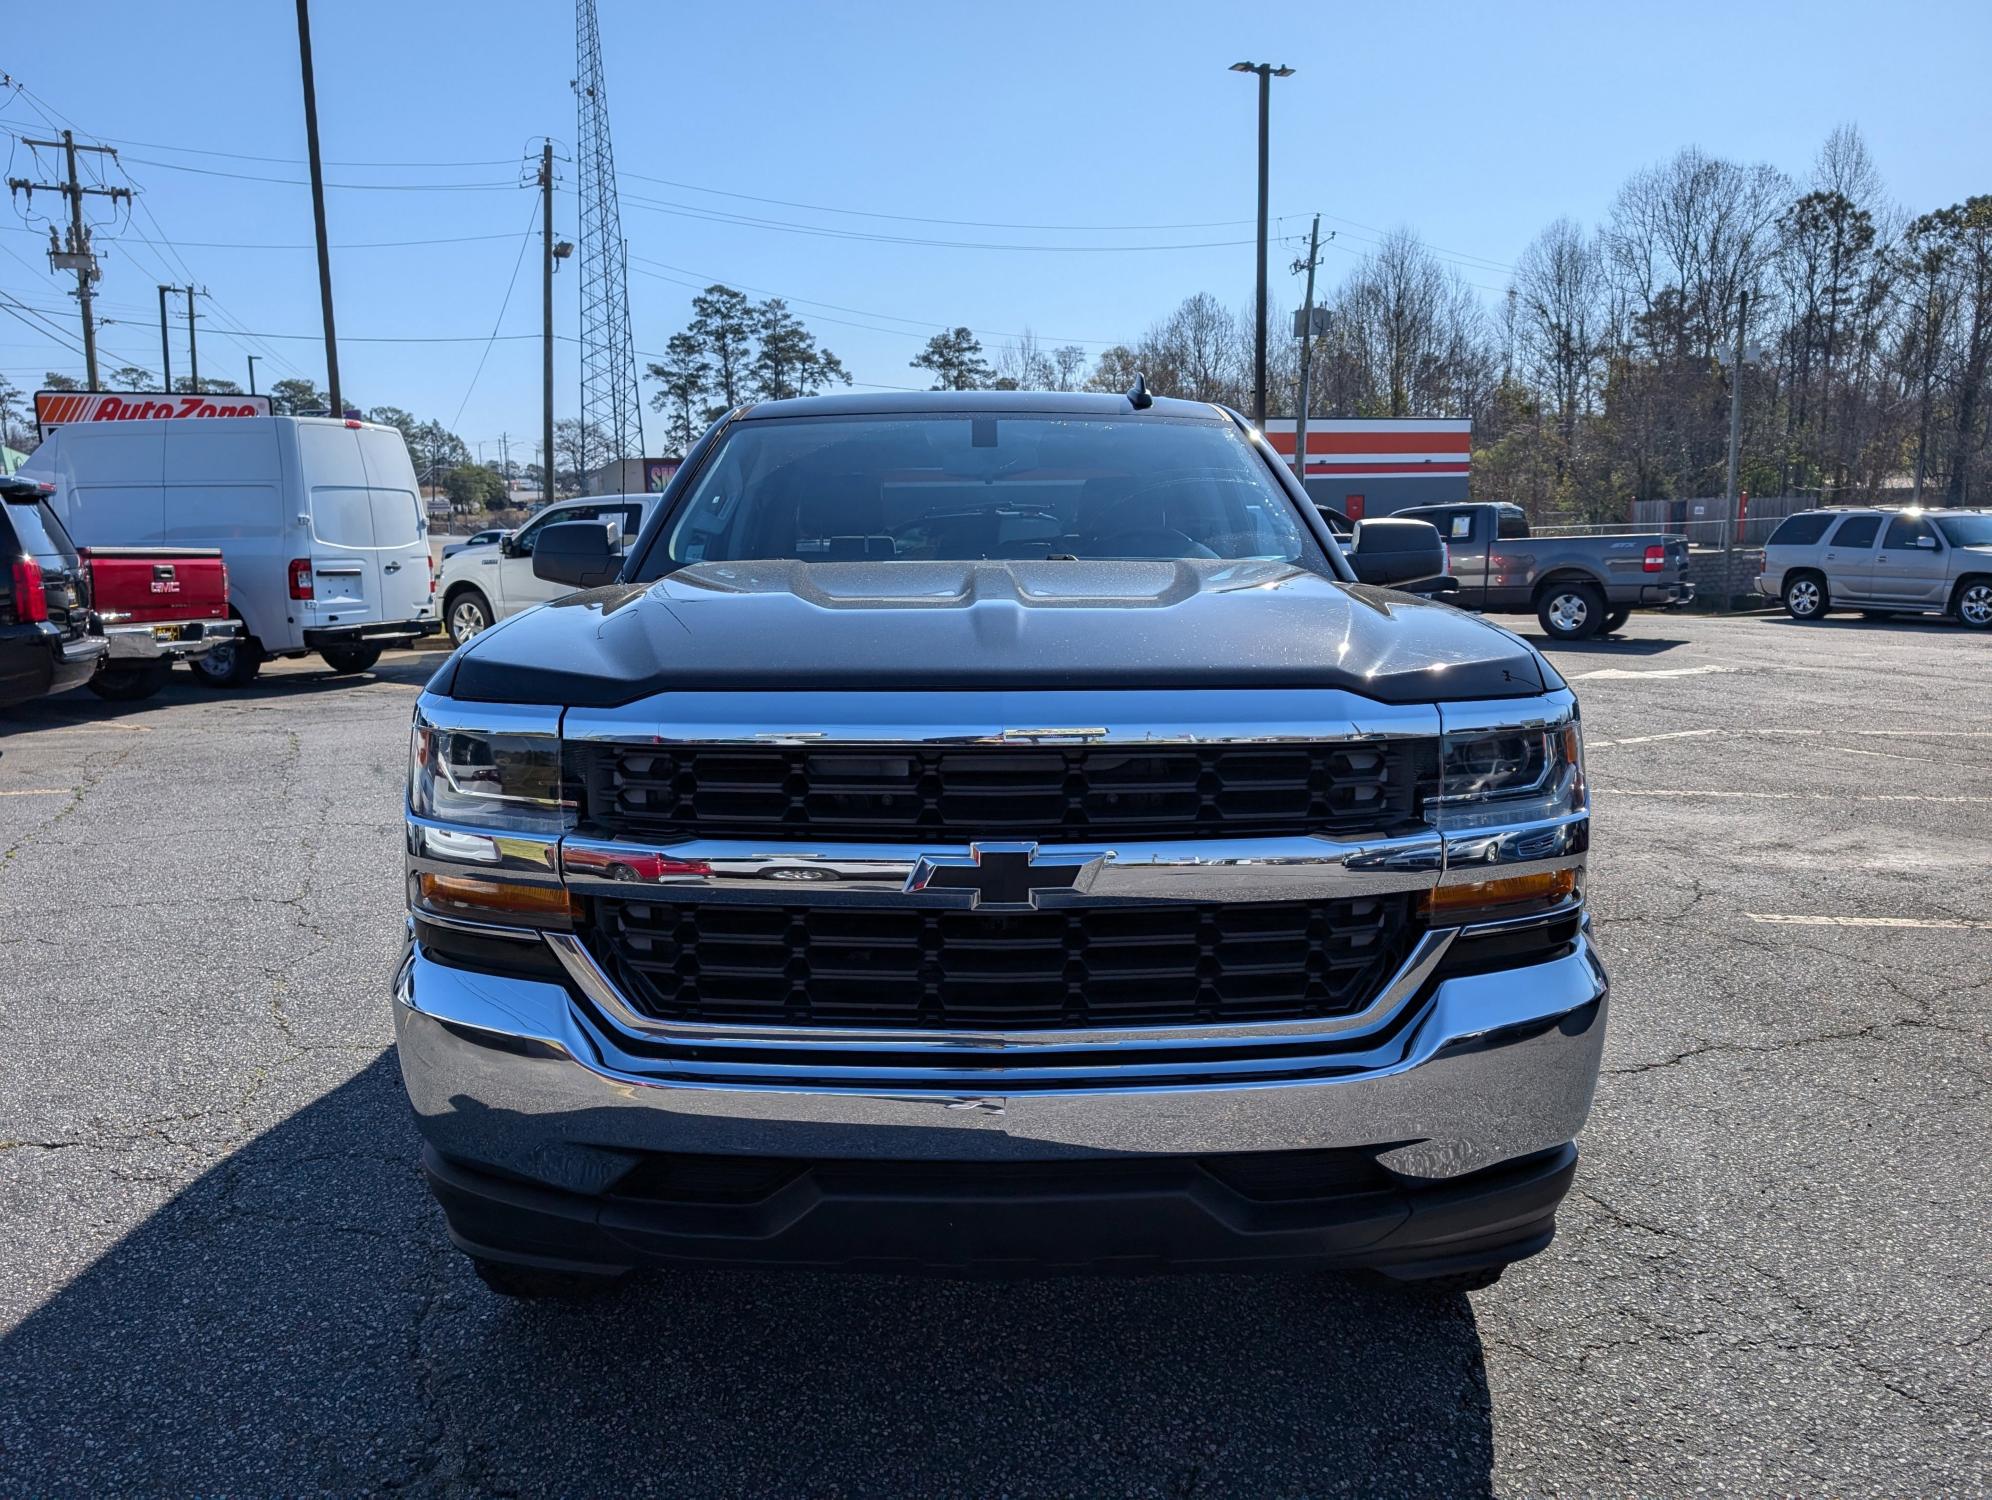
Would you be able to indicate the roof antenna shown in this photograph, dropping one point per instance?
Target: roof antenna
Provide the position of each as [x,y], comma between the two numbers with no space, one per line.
[1137,396]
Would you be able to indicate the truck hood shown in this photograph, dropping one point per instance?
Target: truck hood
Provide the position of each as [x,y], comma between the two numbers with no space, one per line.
[998,625]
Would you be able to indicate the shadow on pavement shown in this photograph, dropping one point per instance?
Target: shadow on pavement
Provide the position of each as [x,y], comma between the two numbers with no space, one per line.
[1848,619]
[294,1320]
[308,679]
[1608,645]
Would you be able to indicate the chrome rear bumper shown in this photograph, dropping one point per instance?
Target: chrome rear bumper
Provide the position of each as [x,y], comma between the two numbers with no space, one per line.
[520,1076]
[181,640]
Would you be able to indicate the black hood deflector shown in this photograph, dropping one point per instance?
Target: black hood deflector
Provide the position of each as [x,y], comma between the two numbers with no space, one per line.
[769,626]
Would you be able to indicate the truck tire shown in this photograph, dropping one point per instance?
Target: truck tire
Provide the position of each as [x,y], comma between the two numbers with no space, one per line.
[531,1284]
[1973,603]
[1615,620]
[129,684]
[1805,597]
[230,664]
[350,658]
[465,614]
[1570,609]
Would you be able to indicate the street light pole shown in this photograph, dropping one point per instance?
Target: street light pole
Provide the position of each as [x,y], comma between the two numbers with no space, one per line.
[1267,73]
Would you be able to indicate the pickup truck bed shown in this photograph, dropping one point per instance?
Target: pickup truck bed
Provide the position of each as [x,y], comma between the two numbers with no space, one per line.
[1576,586]
[158,605]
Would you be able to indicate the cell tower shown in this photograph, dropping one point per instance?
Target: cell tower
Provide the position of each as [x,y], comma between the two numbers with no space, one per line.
[609,401]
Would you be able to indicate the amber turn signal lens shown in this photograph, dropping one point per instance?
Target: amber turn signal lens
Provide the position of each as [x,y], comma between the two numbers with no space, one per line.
[482,896]
[1498,898]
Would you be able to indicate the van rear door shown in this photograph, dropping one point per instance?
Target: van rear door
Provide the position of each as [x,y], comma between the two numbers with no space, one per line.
[400,525]
[345,563]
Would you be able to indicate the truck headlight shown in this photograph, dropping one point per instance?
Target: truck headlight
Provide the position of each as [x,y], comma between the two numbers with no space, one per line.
[509,783]
[1510,804]
[1525,774]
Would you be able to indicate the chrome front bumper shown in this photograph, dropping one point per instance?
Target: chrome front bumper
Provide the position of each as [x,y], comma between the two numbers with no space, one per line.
[181,640]
[519,1076]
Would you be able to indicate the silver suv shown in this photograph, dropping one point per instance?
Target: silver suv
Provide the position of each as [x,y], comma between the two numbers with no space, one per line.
[1882,563]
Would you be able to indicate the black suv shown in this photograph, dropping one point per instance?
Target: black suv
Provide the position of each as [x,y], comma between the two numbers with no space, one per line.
[48,640]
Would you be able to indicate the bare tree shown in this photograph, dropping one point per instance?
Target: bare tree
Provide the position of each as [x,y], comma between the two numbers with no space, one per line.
[1067,361]
[1025,365]
[1556,309]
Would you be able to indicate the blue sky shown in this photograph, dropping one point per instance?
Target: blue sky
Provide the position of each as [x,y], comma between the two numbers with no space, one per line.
[1475,125]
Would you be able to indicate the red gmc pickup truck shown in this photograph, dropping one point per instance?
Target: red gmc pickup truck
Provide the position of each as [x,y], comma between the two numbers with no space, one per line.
[158,605]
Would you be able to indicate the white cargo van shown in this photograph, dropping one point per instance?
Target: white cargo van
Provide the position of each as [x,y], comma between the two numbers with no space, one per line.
[318,519]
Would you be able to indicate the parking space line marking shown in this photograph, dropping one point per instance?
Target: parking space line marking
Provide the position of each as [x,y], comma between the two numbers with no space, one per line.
[1652,672]
[1790,920]
[40,791]
[1620,791]
[1647,739]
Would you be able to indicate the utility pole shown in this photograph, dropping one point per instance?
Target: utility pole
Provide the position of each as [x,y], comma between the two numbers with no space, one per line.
[1735,445]
[1306,355]
[1267,73]
[252,374]
[193,349]
[546,316]
[77,255]
[165,349]
[318,207]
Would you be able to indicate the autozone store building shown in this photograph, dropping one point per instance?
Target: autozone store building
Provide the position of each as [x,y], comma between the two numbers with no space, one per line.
[1377,466]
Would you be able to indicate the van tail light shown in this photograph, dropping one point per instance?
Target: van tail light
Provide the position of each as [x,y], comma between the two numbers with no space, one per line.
[1656,559]
[300,578]
[30,603]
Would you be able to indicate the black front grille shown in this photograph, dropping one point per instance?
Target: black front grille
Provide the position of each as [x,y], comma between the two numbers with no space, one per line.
[1079,966]
[907,793]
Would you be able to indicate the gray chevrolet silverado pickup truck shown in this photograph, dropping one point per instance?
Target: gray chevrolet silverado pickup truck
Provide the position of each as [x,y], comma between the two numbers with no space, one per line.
[1575,586]
[992,833]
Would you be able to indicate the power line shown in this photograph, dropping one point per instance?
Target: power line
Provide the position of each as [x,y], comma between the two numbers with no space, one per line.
[863,213]
[458,239]
[297,161]
[524,240]
[926,325]
[376,187]
[783,226]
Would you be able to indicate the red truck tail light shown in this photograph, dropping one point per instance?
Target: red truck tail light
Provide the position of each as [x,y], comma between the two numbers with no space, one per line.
[1656,559]
[30,603]
[300,578]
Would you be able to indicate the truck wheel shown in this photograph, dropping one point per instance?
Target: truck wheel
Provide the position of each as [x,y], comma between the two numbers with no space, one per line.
[1805,596]
[350,658]
[1973,605]
[469,612]
[1571,611]
[531,1284]
[129,684]
[1615,620]
[230,664]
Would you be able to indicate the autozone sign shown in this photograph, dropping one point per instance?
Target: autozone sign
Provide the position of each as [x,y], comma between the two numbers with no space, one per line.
[58,408]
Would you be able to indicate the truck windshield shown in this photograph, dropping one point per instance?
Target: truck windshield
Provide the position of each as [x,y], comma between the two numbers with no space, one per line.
[966,487]
[1966,531]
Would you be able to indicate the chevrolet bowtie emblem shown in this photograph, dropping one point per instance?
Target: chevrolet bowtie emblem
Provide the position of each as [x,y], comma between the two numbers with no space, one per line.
[1007,877]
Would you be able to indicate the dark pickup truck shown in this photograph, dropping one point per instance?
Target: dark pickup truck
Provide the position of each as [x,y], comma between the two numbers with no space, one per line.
[990,832]
[1575,586]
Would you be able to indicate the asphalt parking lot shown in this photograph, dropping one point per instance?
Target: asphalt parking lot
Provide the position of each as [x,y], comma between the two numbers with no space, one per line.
[219,1270]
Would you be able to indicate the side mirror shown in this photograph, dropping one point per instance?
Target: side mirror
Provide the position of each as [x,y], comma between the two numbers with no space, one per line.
[1338,523]
[581,553]
[1394,552]
[1927,543]
[506,546]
